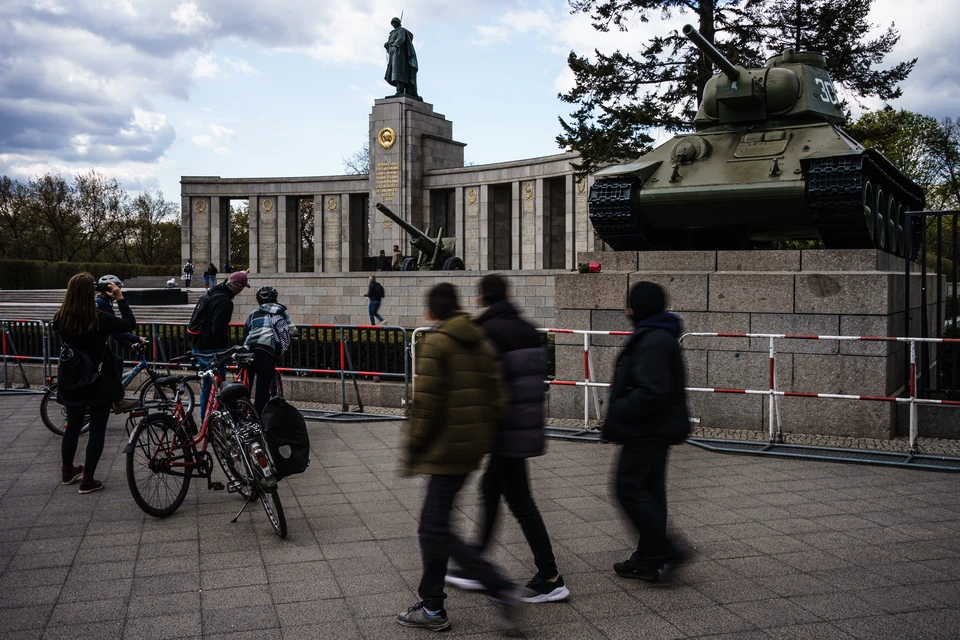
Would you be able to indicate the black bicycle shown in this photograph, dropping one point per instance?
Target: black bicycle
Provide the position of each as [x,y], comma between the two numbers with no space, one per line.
[157,387]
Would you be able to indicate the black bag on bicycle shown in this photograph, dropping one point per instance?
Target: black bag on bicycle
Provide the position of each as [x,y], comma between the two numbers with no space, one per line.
[285,431]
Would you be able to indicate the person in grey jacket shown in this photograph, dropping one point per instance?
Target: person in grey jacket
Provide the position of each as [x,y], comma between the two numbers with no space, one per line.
[523,364]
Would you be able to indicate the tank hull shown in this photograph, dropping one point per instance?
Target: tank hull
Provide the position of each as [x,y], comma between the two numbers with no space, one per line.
[743,187]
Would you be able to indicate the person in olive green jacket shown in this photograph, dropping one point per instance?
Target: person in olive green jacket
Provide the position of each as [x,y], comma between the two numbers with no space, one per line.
[458,402]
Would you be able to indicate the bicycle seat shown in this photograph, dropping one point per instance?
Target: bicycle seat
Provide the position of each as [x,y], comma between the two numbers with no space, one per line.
[230,392]
[169,381]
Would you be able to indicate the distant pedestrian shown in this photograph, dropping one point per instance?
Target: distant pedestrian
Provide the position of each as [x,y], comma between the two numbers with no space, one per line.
[86,330]
[375,293]
[187,274]
[227,267]
[523,363]
[210,276]
[457,404]
[648,413]
[397,258]
[383,262]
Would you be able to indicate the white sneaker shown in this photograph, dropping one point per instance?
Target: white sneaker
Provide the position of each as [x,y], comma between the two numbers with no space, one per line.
[458,580]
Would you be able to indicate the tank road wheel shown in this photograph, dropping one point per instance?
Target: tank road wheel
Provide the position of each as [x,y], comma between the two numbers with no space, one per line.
[454,264]
[869,209]
[409,264]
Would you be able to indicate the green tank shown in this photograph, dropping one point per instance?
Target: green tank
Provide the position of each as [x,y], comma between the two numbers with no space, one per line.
[767,162]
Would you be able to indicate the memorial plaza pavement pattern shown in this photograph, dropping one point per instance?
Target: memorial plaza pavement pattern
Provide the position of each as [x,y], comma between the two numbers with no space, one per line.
[783,549]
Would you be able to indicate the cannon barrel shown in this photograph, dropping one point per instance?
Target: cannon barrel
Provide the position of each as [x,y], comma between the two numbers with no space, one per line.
[711,52]
[406,226]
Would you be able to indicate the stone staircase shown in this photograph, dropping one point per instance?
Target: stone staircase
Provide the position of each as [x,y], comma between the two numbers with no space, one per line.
[41,304]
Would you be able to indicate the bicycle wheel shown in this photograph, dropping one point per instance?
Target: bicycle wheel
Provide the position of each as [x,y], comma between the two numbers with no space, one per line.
[271,504]
[227,455]
[55,415]
[153,393]
[158,488]
[263,483]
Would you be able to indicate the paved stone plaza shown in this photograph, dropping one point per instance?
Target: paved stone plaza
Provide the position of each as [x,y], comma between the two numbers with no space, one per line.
[785,549]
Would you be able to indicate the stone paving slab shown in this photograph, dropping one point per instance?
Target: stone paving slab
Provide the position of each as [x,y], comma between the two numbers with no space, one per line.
[784,549]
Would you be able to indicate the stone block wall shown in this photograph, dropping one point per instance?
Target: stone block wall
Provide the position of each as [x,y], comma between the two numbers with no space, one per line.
[805,292]
[339,297]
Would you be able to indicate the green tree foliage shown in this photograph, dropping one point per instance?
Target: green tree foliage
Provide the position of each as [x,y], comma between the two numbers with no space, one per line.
[240,236]
[90,219]
[618,97]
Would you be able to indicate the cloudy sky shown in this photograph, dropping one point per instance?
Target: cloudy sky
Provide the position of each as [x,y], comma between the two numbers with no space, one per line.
[149,90]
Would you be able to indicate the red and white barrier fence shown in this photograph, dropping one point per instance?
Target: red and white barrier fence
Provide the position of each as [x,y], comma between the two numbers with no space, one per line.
[775,425]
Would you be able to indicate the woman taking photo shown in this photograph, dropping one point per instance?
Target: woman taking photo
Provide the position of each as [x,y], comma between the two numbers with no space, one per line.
[85,330]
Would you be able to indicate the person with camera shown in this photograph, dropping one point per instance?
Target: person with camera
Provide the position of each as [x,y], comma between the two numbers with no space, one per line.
[267,333]
[187,274]
[209,328]
[125,338]
[86,333]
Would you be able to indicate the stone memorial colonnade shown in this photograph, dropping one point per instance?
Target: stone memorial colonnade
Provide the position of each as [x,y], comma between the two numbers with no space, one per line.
[526,214]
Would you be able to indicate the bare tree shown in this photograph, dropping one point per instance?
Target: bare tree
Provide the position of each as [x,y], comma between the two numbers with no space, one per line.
[18,227]
[359,163]
[101,204]
[54,205]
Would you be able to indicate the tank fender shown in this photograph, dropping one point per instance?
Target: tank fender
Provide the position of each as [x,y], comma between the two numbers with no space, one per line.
[641,170]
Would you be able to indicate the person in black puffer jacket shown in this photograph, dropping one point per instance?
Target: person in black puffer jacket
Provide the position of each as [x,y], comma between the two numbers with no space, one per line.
[523,363]
[648,412]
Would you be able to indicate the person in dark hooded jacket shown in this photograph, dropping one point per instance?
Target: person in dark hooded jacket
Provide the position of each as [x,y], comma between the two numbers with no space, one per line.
[648,412]
[523,363]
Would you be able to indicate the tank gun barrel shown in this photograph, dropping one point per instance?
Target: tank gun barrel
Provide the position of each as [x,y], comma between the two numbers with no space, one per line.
[711,52]
[418,238]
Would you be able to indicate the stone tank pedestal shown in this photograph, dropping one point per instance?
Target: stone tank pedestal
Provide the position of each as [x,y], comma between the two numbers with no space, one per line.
[823,292]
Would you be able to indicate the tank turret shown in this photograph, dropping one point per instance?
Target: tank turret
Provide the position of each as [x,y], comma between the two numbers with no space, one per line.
[767,162]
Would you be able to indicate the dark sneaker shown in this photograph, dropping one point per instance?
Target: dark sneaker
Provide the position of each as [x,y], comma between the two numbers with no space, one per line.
[459,580]
[415,616]
[637,570]
[546,591]
[511,606]
[89,485]
[69,475]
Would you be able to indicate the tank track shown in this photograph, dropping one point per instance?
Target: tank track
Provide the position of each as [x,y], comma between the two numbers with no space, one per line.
[611,213]
[835,196]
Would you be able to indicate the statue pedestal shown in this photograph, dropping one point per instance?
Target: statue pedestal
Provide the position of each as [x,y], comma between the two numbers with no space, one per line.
[407,138]
[822,292]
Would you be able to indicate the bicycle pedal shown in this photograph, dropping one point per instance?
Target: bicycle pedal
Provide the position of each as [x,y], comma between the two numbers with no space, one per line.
[217,486]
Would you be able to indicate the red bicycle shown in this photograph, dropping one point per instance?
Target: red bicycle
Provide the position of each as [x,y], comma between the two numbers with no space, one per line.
[166,449]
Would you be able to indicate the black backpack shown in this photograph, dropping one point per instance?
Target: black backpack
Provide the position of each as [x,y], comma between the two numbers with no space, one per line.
[198,319]
[380,291]
[286,434]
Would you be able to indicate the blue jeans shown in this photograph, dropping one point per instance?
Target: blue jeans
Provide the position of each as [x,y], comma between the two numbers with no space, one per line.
[372,308]
[205,360]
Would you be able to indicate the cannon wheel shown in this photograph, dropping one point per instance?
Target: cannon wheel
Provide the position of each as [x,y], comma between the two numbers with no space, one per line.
[409,264]
[454,264]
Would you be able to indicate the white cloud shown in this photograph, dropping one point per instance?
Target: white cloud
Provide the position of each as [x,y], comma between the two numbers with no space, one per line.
[219,131]
[242,67]
[202,140]
[223,151]
[206,67]
[190,20]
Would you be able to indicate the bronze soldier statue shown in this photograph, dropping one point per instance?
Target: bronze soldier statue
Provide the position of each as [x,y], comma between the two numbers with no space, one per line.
[401,61]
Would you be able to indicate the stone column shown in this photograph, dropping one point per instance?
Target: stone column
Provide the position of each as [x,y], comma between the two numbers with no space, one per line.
[215,234]
[458,216]
[528,225]
[283,253]
[515,221]
[269,255]
[332,232]
[485,235]
[199,250]
[345,234]
[253,212]
[471,228]
[542,225]
[581,218]
[186,221]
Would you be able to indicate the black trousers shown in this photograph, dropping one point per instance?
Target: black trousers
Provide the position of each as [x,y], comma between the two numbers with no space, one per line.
[264,371]
[438,545]
[641,485]
[508,477]
[95,437]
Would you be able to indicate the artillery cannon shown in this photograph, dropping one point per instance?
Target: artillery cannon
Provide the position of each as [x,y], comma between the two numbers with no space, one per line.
[768,162]
[434,254]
